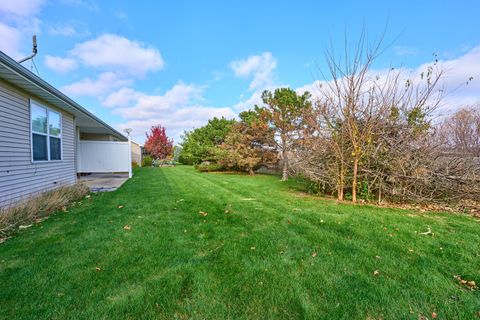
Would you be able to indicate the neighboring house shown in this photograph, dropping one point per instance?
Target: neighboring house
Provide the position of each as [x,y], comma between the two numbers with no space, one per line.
[137,153]
[41,133]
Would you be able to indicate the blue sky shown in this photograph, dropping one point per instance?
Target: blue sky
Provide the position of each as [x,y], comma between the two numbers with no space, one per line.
[178,63]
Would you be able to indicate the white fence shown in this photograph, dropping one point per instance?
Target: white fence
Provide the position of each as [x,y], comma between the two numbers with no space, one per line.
[103,156]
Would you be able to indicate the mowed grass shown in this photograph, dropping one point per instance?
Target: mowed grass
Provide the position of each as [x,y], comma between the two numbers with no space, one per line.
[260,250]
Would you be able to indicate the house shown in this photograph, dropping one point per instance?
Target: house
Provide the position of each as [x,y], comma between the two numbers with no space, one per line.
[47,139]
[137,153]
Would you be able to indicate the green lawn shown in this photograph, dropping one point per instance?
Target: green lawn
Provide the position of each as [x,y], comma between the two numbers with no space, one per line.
[263,250]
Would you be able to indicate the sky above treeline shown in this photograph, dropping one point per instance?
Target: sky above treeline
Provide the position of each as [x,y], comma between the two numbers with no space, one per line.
[178,63]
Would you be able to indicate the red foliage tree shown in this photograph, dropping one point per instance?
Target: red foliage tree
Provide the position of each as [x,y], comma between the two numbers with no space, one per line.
[158,145]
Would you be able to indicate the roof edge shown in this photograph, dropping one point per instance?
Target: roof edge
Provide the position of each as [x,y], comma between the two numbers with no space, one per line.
[27,74]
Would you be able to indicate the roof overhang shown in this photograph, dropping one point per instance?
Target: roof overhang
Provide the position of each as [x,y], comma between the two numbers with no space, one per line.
[16,74]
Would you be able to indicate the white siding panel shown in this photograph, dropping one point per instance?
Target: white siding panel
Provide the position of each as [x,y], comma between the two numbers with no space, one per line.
[103,156]
[19,177]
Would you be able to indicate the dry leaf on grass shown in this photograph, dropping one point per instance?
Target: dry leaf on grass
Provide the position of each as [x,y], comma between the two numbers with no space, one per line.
[427,233]
[127,227]
[376,273]
[314,254]
[204,214]
[434,315]
[98,269]
[120,207]
[469,284]
[252,248]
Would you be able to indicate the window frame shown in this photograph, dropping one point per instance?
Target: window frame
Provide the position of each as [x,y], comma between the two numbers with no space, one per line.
[47,135]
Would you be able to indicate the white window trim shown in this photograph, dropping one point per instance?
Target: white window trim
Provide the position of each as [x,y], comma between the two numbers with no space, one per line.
[45,134]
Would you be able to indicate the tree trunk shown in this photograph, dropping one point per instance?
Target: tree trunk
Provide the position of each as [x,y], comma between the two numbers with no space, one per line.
[354,180]
[251,172]
[285,169]
[285,159]
[340,183]
[380,193]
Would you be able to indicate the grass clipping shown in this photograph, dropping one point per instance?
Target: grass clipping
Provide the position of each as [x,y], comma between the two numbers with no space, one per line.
[36,208]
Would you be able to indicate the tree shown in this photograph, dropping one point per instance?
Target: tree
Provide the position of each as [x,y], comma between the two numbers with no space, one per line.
[461,132]
[177,150]
[370,130]
[249,144]
[284,109]
[201,144]
[158,145]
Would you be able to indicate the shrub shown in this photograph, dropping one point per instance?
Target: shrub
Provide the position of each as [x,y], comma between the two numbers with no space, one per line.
[134,164]
[163,163]
[147,161]
[40,206]
[208,167]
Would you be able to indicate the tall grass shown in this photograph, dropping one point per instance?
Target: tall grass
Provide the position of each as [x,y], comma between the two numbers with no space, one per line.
[38,207]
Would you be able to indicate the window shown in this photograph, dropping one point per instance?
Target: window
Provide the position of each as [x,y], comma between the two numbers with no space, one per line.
[46,127]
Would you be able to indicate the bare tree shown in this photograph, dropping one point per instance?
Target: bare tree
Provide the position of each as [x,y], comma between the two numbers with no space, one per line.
[368,125]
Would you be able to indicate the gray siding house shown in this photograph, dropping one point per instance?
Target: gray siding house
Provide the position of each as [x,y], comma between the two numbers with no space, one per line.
[40,130]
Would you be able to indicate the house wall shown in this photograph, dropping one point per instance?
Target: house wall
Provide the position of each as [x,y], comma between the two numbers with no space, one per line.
[136,154]
[19,177]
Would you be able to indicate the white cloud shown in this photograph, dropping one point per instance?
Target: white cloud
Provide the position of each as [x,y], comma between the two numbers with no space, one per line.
[177,121]
[458,73]
[18,23]
[119,53]
[179,96]
[255,99]
[89,5]
[105,82]
[180,108]
[65,30]
[59,64]
[121,98]
[260,67]
[10,40]
[70,29]
[21,8]
[460,82]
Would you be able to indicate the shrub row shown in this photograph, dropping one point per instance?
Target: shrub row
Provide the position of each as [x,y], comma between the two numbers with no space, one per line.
[40,206]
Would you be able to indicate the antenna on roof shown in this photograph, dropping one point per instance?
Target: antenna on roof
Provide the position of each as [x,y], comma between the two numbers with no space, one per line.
[34,50]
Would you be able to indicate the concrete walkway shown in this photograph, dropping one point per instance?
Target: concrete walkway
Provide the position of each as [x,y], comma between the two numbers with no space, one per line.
[104,182]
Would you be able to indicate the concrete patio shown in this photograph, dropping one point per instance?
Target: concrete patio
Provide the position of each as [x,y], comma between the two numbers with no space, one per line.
[104,182]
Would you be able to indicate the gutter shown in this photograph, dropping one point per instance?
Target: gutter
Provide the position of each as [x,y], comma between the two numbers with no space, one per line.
[39,82]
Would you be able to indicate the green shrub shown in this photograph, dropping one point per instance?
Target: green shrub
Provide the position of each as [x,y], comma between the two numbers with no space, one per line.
[134,164]
[147,161]
[208,167]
